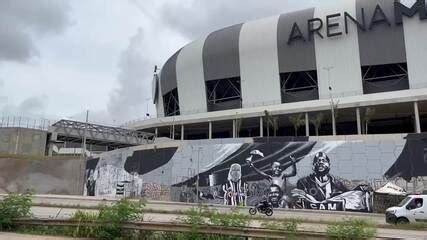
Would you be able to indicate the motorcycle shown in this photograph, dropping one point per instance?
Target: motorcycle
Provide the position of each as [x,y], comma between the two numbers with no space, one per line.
[262,207]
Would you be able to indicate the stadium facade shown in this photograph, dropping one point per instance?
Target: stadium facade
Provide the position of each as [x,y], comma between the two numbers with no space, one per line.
[362,61]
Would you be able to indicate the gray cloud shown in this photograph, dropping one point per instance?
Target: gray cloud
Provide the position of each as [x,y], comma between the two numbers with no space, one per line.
[29,107]
[21,20]
[34,105]
[202,17]
[127,101]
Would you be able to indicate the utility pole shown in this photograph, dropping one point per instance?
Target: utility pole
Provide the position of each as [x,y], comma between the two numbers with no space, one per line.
[334,130]
[83,151]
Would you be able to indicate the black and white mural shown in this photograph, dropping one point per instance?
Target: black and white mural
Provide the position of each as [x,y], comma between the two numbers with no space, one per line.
[329,175]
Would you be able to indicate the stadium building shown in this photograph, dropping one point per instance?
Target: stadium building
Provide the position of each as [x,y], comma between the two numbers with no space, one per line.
[342,68]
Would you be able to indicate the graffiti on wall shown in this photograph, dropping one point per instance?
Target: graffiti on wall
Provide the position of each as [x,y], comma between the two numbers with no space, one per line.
[330,175]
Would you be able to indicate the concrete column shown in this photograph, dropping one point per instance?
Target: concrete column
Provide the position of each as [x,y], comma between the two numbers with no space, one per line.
[307,125]
[417,118]
[173,132]
[359,123]
[182,132]
[210,130]
[156,132]
[53,138]
[261,127]
[234,128]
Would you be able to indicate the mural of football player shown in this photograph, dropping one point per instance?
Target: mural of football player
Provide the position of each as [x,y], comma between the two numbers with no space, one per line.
[320,184]
[235,191]
[278,177]
[90,183]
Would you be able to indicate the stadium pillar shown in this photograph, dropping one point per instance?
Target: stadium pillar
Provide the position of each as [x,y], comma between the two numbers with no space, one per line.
[417,118]
[234,128]
[261,128]
[210,130]
[156,132]
[182,132]
[359,126]
[173,132]
[307,125]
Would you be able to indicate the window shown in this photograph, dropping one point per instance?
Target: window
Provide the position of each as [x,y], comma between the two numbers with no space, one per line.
[415,204]
[223,94]
[171,103]
[299,86]
[385,78]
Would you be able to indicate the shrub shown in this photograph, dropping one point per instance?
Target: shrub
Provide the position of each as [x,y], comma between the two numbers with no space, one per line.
[14,206]
[288,225]
[351,229]
[203,215]
[109,220]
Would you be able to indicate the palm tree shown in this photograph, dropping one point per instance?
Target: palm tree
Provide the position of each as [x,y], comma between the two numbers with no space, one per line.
[270,121]
[297,121]
[369,114]
[317,122]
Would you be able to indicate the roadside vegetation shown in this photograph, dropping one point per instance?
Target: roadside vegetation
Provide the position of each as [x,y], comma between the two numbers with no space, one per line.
[109,221]
[352,229]
[12,207]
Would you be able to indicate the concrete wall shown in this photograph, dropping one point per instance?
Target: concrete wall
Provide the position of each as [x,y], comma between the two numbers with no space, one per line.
[357,166]
[41,176]
[22,141]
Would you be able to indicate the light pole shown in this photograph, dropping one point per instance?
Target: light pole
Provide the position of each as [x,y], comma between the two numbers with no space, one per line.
[147,100]
[331,100]
[198,172]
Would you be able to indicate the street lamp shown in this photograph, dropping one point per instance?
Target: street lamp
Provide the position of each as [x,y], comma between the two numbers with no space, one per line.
[331,100]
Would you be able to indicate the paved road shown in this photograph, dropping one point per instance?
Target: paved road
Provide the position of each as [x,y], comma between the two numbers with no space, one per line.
[61,213]
[307,215]
[16,236]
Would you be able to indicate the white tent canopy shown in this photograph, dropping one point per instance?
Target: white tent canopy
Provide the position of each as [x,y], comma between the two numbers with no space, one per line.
[391,189]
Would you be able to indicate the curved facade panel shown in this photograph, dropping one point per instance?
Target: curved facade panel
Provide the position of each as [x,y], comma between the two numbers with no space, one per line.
[260,82]
[379,43]
[221,54]
[416,49]
[295,56]
[190,78]
[337,57]
[168,74]
[341,49]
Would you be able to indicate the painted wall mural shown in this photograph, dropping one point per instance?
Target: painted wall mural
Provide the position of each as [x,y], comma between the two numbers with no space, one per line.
[328,175]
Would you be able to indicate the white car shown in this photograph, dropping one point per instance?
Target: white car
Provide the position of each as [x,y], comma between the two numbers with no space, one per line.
[412,209]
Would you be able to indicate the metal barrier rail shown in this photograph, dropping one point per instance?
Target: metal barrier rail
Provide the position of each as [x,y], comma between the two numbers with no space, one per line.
[175,227]
[25,122]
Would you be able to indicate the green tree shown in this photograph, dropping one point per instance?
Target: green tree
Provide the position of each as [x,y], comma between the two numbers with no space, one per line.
[297,121]
[317,122]
[270,121]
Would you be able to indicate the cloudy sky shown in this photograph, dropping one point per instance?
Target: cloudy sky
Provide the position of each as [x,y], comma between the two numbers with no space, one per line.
[60,58]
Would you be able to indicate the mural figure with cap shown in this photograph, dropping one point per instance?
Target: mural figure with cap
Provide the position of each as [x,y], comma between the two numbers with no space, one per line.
[322,191]
[320,184]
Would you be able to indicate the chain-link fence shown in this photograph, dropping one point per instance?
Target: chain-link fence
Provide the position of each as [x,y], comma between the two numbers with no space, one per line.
[25,122]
